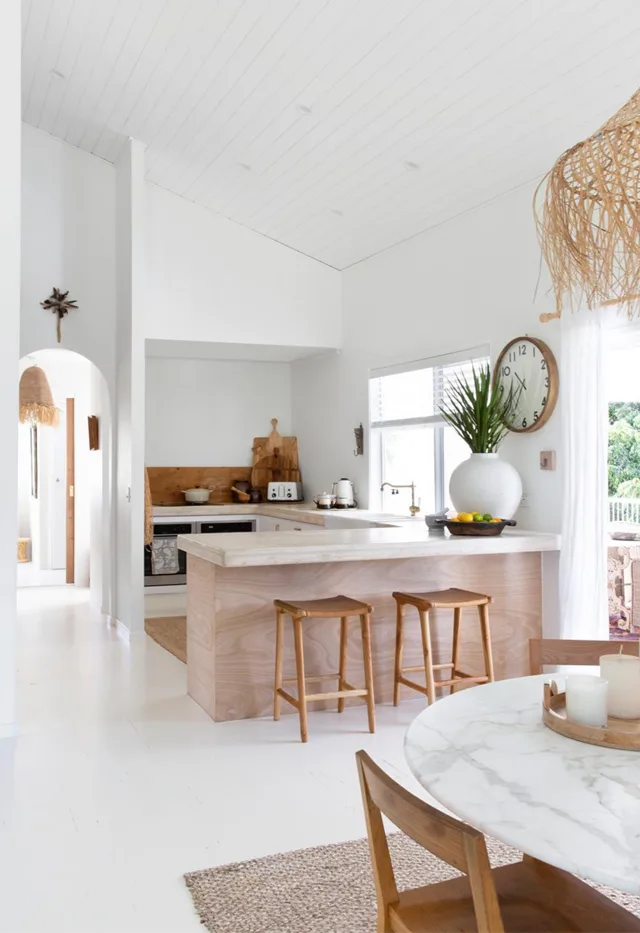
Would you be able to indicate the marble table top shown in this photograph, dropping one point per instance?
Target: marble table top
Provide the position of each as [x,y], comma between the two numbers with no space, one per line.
[486,756]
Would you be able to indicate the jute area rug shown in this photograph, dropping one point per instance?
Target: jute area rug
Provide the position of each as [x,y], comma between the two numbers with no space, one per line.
[328,889]
[170,633]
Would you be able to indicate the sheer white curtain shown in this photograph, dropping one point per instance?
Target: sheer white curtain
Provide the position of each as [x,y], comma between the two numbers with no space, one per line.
[583,558]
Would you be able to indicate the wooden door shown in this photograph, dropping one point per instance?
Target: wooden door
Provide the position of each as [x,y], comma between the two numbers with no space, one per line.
[71,490]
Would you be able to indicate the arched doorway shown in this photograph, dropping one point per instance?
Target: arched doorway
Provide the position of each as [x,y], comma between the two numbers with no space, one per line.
[64,486]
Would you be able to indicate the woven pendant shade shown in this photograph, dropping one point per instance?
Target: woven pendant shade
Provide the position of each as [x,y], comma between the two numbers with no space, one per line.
[589,217]
[36,400]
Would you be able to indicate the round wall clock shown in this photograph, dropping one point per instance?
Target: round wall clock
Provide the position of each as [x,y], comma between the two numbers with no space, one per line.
[527,365]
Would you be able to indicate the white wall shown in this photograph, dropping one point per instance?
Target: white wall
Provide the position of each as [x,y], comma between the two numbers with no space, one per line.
[466,283]
[207,412]
[24,481]
[212,279]
[68,241]
[129,423]
[100,497]
[10,170]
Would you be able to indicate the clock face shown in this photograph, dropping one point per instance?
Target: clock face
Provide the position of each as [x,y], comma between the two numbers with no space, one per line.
[527,366]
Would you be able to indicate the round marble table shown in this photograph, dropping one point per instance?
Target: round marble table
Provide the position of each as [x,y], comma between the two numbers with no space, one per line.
[486,756]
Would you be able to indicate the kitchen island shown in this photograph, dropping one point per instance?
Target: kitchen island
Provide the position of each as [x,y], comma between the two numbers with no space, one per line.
[232,580]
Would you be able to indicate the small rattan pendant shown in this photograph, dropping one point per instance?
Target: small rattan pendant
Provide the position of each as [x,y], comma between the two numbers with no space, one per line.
[36,400]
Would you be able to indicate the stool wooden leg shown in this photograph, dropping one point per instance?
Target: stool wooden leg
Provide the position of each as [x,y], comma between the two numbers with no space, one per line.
[397,671]
[279,645]
[342,670]
[365,623]
[486,641]
[302,689]
[457,612]
[428,656]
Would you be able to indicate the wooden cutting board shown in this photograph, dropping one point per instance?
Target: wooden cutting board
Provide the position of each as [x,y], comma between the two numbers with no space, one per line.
[274,468]
[286,446]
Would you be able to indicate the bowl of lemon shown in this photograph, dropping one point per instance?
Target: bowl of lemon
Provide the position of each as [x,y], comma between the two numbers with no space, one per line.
[475,524]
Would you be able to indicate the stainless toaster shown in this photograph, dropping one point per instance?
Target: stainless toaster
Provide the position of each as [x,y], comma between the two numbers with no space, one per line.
[284,492]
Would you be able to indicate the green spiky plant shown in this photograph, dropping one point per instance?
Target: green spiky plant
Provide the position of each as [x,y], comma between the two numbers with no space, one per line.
[479,411]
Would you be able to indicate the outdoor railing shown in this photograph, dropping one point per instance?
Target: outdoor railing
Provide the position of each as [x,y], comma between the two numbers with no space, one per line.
[624,510]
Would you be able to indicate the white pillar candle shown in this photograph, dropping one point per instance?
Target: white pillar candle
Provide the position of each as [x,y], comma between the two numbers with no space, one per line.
[586,699]
[623,673]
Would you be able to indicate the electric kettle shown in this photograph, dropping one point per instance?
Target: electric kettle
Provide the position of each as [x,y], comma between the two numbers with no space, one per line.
[343,492]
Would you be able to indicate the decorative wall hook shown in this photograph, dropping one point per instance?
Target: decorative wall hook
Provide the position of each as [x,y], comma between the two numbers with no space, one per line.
[60,305]
[359,436]
[94,432]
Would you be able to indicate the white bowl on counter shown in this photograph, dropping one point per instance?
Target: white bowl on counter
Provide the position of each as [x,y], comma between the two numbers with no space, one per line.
[197,496]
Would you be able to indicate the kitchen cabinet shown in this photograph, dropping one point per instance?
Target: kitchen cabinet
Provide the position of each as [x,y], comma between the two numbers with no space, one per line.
[265,523]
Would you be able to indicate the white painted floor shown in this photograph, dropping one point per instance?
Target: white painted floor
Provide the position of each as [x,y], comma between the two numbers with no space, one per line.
[30,575]
[118,783]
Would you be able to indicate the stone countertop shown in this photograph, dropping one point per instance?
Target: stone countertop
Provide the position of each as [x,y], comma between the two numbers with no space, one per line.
[320,545]
[304,512]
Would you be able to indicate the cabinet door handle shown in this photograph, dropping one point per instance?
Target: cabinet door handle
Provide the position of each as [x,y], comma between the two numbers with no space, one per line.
[277,528]
[297,529]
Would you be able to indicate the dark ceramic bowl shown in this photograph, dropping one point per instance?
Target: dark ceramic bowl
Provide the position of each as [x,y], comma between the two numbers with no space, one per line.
[475,529]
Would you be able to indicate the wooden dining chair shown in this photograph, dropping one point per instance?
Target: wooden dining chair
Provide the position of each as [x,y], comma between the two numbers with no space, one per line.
[544,651]
[518,898]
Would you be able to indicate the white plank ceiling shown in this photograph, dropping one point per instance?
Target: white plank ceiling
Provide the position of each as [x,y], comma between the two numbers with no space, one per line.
[338,127]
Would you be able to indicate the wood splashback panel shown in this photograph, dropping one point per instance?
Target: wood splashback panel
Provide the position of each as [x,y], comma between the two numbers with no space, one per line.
[167,483]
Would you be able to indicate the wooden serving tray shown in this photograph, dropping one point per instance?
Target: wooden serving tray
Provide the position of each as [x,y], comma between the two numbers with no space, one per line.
[618,733]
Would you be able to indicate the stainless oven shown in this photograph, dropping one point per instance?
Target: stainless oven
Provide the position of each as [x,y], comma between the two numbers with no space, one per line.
[168,530]
[171,528]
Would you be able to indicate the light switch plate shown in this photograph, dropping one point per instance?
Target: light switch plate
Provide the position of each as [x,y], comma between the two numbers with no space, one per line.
[547,459]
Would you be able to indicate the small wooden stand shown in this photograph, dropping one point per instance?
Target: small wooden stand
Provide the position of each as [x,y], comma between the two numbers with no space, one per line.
[618,733]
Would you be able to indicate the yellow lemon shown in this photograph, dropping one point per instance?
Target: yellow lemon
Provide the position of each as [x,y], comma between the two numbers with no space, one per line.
[496,519]
[465,517]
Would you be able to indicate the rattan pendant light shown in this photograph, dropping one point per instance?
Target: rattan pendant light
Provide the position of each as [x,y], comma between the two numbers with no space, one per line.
[36,400]
[588,217]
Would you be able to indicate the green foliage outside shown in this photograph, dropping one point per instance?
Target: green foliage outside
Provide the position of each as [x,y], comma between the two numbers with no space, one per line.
[624,449]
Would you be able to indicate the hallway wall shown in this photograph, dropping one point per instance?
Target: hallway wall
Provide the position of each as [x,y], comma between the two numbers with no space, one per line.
[68,241]
[10,172]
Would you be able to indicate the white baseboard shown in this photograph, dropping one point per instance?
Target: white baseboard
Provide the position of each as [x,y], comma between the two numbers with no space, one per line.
[125,633]
[158,605]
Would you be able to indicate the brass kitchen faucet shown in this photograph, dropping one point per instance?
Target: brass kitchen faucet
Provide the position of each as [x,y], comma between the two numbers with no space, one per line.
[413,508]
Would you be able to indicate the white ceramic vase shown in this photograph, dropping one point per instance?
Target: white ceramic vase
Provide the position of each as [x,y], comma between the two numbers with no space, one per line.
[484,483]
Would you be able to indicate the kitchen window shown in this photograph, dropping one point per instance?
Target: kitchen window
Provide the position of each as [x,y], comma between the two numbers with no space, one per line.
[410,440]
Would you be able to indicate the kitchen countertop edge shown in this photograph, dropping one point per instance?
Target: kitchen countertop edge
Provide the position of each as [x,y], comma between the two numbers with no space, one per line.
[332,546]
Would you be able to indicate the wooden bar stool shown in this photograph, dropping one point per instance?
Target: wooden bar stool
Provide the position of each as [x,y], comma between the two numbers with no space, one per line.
[424,603]
[336,607]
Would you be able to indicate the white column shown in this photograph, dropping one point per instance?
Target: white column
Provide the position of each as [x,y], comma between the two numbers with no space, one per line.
[10,13]
[129,408]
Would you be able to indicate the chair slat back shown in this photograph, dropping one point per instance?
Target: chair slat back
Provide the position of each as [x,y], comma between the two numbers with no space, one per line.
[543,651]
[447,838]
